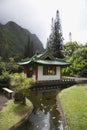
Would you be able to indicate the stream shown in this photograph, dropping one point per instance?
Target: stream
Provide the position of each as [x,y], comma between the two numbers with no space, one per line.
[45,115]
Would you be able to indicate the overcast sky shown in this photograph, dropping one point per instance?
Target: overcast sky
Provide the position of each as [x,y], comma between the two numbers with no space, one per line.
[36,15]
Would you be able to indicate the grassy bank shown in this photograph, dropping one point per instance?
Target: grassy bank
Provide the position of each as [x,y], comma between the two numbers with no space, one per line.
[13,113]
[74,103]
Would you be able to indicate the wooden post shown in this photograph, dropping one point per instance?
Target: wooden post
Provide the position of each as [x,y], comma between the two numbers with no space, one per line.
[60,73]
[36,73]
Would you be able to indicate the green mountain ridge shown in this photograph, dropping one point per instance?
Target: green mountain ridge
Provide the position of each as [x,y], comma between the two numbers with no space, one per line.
[14,38]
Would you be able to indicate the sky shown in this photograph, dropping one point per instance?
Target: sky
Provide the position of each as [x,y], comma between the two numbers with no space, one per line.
[36,16]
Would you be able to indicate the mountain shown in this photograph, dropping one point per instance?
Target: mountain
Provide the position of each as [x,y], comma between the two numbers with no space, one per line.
[14,38]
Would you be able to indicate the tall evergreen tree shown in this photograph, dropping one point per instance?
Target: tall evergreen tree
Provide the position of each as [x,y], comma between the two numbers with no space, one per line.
[55,40]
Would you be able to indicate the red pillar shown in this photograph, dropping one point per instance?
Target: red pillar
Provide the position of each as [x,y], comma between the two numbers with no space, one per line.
[36,72]
[60,73]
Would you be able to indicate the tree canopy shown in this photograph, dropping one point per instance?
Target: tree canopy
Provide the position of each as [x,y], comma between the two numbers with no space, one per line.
[77,55]
[55,40]
[70,47]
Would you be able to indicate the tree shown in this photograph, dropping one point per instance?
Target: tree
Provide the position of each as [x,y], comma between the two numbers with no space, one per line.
[77,55]
[70,47]
[79,60]
[55,40]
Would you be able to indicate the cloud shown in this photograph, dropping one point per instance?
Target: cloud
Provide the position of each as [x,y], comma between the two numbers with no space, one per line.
[36,15]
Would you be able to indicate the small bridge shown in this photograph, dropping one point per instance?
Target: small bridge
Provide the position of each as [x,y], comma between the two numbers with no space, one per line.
[53,84]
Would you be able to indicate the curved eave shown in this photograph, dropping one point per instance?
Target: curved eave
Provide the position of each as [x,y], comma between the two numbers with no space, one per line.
[46,62]
[55,63]
[24,63]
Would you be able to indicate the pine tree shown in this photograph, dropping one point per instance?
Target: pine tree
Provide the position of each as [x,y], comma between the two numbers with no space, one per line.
[55,41]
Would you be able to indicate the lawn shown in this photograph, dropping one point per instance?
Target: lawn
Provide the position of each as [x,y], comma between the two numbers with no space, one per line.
[74,104]
[12,113]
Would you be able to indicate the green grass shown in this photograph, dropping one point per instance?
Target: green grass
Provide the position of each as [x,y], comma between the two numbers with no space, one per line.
[13,113]
[74,103]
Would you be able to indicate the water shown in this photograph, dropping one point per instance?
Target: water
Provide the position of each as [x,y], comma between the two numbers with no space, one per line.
[45,115]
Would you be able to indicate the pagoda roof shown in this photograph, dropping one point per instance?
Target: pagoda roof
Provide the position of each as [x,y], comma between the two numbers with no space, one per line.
[45,58]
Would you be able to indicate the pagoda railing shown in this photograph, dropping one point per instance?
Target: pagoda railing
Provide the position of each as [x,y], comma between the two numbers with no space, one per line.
[65,82]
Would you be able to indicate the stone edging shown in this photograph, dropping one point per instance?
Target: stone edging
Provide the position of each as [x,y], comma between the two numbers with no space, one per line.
[64,122]
[23,119]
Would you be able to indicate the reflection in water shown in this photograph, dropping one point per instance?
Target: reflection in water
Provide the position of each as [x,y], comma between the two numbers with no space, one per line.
[41,121]
[45,115]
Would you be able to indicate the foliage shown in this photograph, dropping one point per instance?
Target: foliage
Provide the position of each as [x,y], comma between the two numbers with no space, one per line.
[12,66]
[74,103]
[9,66]
[70,47]
[55,41]
[2,66]
[13,113]
[4,80]
[79,60]
[83,72]
[20,85]
[77,55]
[4,75]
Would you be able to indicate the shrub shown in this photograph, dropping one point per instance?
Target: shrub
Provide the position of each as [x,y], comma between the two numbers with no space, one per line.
[20,85]
[4,80]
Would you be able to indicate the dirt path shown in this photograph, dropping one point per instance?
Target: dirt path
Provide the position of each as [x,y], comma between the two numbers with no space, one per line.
[3,101]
